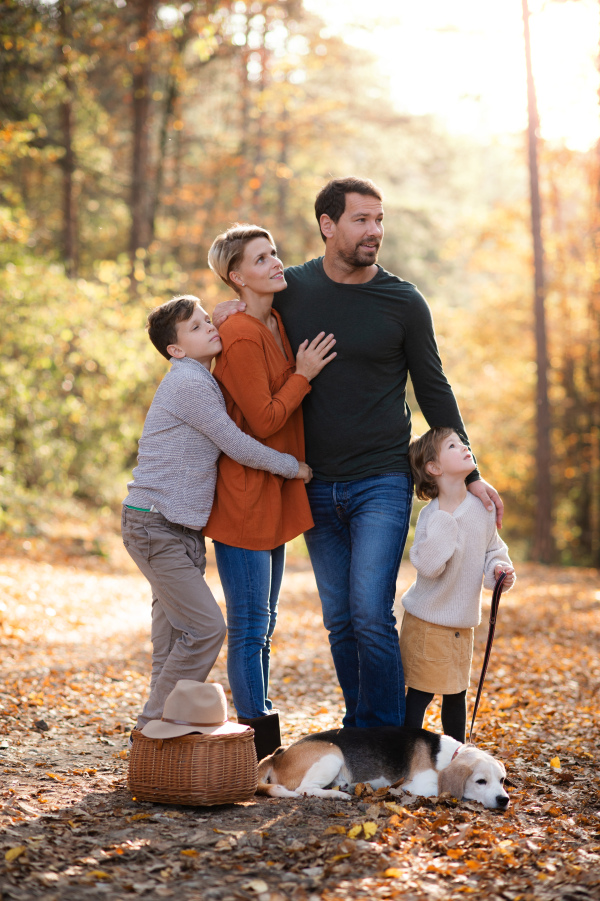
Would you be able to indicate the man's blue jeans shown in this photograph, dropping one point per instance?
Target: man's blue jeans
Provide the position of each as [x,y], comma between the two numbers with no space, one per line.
[355,549]
[251,582]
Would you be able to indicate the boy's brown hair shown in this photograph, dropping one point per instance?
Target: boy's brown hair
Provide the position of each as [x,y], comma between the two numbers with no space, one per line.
[422,451]
[163,320]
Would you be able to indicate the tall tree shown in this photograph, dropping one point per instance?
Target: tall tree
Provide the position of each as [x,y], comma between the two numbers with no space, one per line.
[543,549]
[140,219]
[65,52]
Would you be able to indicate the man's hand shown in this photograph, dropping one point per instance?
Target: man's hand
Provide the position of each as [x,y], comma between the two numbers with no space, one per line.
[304,472]
[489,497]
[226,308]
[511,577]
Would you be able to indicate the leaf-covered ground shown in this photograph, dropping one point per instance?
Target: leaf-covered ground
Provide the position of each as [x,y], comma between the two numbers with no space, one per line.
[74,617]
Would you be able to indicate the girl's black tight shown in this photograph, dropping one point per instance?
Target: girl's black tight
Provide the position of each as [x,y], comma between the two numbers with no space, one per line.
[454,711]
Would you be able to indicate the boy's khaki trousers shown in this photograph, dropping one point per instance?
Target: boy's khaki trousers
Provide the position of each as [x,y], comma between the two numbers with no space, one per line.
[188,628]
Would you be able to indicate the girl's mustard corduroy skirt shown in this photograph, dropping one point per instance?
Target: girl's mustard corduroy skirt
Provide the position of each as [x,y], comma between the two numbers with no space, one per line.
[435,658]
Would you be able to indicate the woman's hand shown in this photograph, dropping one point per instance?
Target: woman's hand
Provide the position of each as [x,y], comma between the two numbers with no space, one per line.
[304,472]
[511,577]
[311,358]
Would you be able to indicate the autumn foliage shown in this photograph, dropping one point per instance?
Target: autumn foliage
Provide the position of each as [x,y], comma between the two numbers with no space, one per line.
[74,626]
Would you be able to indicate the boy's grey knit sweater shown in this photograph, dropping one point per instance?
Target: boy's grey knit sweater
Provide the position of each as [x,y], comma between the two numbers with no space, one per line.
[452,552]
[186,429]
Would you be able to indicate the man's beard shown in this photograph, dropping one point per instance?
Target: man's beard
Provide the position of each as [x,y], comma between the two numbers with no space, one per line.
[356,258]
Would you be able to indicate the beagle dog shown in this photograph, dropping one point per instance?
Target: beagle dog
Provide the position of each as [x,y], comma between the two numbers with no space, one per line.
[424,763]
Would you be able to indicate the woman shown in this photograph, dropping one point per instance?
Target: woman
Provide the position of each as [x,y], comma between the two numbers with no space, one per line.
[256,513]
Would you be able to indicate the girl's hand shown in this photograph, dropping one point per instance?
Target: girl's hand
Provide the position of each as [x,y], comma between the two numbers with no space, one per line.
[311,358]
[511,577]
[304,472]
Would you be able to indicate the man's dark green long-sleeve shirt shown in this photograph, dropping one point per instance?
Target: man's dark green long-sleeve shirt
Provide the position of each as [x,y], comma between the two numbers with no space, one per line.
[357,422]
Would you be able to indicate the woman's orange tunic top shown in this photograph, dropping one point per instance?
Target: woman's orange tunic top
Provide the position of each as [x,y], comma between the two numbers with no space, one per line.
[255,509]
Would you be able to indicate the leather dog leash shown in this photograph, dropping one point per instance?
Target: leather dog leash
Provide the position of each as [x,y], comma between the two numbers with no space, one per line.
[490,640]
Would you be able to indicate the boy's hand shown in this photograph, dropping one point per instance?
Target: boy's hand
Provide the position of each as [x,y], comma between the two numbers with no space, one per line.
[304,472]
[511,576]
[488,496]
[226,308]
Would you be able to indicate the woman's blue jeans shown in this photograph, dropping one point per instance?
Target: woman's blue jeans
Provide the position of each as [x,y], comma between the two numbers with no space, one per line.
[251,582]
[355,549]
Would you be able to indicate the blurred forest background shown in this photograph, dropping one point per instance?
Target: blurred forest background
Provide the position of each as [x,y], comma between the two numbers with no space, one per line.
[133,131]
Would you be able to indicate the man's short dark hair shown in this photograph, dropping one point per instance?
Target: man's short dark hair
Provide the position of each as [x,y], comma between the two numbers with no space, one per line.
[331,199]
[163,320]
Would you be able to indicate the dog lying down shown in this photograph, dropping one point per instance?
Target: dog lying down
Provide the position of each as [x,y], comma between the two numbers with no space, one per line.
[425,763]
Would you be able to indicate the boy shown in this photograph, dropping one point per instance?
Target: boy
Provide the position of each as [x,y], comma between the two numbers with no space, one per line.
[456,544]
[171,495]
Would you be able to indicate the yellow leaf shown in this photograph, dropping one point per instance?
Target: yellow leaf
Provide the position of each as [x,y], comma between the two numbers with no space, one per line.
[396,808]
[140,816]
[369,829]
[354,831]
[189,852]
[56,776]
[339,857]
[455,853]
[99,874]
[555,763]
[15,852]
[393,873]
[335,830]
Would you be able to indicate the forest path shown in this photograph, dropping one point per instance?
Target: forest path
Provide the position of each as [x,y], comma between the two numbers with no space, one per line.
[74,671]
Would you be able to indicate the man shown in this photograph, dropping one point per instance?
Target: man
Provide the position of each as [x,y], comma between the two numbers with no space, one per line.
[357,430]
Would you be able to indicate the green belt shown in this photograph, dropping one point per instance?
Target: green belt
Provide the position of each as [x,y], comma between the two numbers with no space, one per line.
[140,509]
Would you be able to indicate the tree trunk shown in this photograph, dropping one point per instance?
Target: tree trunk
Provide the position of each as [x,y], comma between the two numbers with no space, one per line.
[543,549]
[68,160]
[592,366]
[140,220]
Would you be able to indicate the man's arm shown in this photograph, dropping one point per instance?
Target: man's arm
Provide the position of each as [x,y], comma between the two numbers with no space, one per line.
[434,393]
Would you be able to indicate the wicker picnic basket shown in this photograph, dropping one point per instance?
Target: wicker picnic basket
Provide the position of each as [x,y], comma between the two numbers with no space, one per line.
[193,769]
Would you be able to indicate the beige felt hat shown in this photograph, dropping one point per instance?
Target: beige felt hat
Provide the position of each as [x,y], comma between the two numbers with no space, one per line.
[193,707]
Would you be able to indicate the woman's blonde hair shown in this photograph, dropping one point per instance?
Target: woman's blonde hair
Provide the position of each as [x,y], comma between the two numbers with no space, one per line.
[227,249]
[422,451]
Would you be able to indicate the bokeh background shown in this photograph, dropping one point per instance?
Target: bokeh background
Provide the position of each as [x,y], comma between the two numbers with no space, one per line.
[133,131]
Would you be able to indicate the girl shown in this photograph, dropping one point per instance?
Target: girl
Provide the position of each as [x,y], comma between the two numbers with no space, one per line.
[456,544]
[255,514]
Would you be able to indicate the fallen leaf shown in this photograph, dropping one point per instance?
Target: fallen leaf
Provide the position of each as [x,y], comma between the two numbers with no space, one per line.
[369,829]
[259,886]
[14,852]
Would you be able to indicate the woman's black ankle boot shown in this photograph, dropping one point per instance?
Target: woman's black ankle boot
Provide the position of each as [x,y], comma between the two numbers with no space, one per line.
[267,736]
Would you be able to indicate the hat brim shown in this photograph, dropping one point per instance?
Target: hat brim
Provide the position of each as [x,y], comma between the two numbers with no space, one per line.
[160,729]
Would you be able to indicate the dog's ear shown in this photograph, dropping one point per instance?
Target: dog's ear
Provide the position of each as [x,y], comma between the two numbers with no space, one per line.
[453,778]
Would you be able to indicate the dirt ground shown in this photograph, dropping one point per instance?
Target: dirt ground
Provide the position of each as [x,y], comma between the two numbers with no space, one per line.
[74,623]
